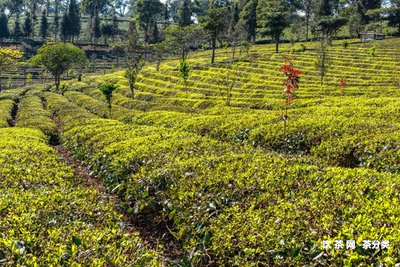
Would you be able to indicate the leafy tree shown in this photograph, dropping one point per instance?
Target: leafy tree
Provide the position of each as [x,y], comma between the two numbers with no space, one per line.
[160,51]
[44,25]
[275,16]
[146,14]
[326,21]
[4,32]
[180,39]
[155,34]
[107,30]
[58,58]
[134,59]
[185,13]
[94,7]
[184,71]
[248,18]
[8,59]
[215,21]
[394,15]
[131,73]
[322,64]
[107,89]
[227,80]
[27,26]
[356,19]
[307,6]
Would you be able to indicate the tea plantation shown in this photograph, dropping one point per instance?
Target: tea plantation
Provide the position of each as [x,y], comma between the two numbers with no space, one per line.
[228,184]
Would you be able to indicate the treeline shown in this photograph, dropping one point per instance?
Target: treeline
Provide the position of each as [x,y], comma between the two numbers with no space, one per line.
[221,21]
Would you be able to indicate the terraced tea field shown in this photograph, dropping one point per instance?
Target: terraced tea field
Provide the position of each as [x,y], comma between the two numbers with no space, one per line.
[226,185]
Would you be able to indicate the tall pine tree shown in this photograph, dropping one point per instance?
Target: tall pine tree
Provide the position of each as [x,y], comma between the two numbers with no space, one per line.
[185,13]
[4,32]
[44,25]
[65,27]
[74,19]
[28,26]
[275,16]
[17,30]
[248,17]
[96,30]
[56,21]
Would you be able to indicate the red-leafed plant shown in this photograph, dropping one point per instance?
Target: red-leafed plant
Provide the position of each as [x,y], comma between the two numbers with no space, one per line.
[291,84]
[342,84]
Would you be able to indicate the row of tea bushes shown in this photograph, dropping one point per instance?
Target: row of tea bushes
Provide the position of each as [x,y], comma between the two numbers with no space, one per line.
[47,218]
[241,207]
[32,114]
[12,94]
[6,108]
[345,129]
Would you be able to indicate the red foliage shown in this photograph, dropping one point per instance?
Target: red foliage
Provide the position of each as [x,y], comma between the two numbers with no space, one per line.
[292,80]
[342,84]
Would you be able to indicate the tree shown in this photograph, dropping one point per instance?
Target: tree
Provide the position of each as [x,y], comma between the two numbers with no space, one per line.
[166,13]
[133,60]
[394,15]
[227,80]
[17,30]
[56,21]
[181,39]
[356,19]
[275,17]
[160,51]
[93,8]
[58,58]
[96,30]
[155,34]
[321,64]
[185,13]
[326,21]
[4,32]
[75,19]
[291,84]
[248,17]
[307,7]
[28,26]
[214,22]
[115,30]
[8,59]
[107,89]
[14,7]
[184,71]
[146,15]
[65,27]
[107,30]
[44,25]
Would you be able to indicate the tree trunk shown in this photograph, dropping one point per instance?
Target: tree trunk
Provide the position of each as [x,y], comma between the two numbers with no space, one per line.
[57,82]
[131,86]
[213,44]
[307,22]
[277,45]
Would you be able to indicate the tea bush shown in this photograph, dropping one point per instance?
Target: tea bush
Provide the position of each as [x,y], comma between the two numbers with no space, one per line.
[49,218]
